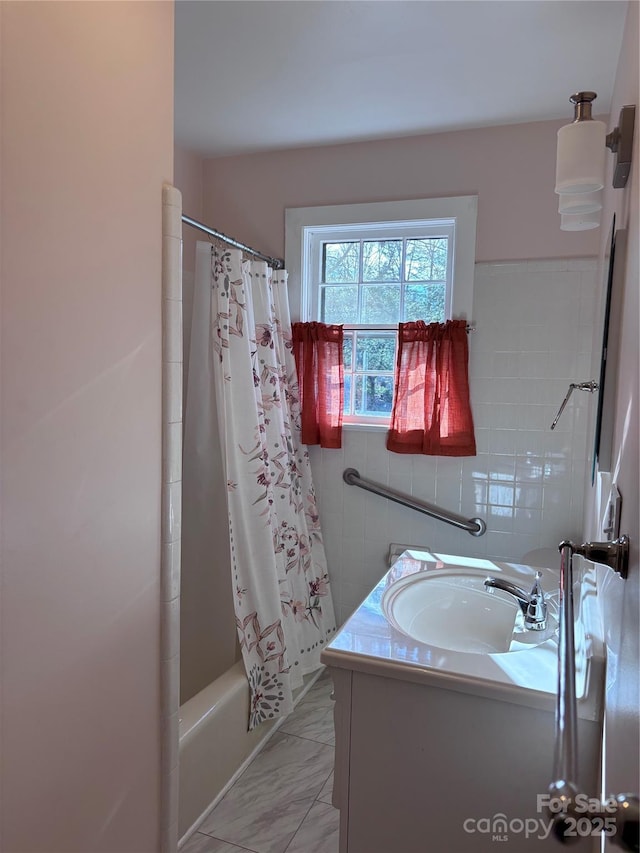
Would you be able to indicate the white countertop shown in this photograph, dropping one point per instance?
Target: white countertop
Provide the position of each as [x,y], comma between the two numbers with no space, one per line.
[368,643]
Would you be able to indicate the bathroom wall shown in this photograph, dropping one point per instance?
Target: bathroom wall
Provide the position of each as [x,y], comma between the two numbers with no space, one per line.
[621,616]
[511,168]
[533,310]
[208,645]
[188,178]
[86,146]
[526,481]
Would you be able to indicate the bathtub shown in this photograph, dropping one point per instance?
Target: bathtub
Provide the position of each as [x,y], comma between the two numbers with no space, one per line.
[215,745]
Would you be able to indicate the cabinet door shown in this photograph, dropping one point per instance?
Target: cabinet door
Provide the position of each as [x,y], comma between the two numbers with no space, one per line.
[342,722]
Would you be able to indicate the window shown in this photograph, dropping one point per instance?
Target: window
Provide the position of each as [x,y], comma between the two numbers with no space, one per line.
[380,265]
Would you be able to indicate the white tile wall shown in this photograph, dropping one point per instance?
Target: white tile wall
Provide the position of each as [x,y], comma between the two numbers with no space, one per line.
[171,511]
[534,325]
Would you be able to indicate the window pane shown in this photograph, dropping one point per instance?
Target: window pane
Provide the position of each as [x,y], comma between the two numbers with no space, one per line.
[374,395]
[340,262]
[381,260]
[346,409]
[338,304]
[375,351]
[380,303]
[426,259]
[347,350]
[424,302]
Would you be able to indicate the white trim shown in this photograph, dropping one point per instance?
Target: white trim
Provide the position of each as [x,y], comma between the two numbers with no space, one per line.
[462,209]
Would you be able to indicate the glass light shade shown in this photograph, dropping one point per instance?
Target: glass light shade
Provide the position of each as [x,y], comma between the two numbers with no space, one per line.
[580,202]
[579,221]
[580,160]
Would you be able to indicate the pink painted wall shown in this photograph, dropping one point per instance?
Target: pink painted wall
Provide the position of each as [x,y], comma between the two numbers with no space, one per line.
[87,141]
[188,178]
[208,645]
[621,616]
[511,168]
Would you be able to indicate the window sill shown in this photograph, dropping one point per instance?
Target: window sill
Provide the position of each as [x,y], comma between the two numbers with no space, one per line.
[366,427]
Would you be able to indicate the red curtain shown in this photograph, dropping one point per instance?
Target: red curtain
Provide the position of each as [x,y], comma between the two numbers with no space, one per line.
[317,348]
[431,409]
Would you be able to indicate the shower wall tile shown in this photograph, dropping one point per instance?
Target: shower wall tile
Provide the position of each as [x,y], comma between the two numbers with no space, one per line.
[172,330]
[170,580]
[170,630]
[173,392]
[169,807]
[170,734]
[172,262]
[172,451]
[353,518]
[533,338]
[171,686]
[171,512]
[172,517]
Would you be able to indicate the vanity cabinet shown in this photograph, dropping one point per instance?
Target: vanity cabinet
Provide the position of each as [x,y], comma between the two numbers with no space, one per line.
[423,769]
[440,749]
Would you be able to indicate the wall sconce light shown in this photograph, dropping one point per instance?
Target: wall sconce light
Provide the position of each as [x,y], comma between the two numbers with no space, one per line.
[579,221]
[580,162]
[580,202]
[580,156]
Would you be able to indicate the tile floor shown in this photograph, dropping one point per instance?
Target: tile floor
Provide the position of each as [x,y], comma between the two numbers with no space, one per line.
[282,801]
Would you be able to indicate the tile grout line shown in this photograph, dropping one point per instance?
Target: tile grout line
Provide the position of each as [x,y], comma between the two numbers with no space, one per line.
[304,737]
[313,802]
[222,841]
[300,824]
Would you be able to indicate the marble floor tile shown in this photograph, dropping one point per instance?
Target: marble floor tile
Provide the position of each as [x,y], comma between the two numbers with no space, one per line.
[313,717]
[318,832]
[327,791]
[267,804]
[321,691]
[199,843]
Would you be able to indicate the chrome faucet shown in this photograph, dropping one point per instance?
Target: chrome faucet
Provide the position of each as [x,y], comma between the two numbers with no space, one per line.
[532,604]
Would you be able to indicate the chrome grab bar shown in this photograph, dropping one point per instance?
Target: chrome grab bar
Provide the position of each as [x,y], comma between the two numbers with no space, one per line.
[563,791]
[474,526]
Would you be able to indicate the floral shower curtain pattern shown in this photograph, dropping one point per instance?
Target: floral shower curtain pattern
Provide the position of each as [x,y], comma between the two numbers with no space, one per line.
[284,612]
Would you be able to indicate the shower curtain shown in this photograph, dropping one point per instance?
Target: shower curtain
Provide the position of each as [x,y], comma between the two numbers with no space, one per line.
[283,608]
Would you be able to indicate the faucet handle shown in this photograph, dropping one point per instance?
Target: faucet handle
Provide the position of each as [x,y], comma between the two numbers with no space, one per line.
[536,616]
[536,589]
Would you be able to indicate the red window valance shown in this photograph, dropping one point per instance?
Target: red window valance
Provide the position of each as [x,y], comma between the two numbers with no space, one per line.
[431,407]
[317,348]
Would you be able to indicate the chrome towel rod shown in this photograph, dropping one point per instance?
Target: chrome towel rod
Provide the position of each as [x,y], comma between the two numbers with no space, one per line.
[564,790]
[474,526]
[590,386]
[276,263]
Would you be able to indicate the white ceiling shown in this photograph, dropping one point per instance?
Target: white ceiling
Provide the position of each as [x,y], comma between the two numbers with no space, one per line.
[255,75]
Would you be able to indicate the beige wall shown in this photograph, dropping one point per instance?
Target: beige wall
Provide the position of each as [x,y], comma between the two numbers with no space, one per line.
[511,168]
[188,178]
[208,645]
[86,146]
[622,598]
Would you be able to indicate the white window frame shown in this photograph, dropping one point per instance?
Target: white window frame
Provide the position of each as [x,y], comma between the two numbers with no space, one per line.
[380,220]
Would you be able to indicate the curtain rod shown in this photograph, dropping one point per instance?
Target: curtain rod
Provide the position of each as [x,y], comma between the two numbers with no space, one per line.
[276,263]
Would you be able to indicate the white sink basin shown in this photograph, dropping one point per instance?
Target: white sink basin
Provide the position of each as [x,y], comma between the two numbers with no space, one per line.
[452,609]
[430,620]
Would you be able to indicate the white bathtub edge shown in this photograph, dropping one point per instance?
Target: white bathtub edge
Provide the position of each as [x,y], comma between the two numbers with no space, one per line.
[194,711]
